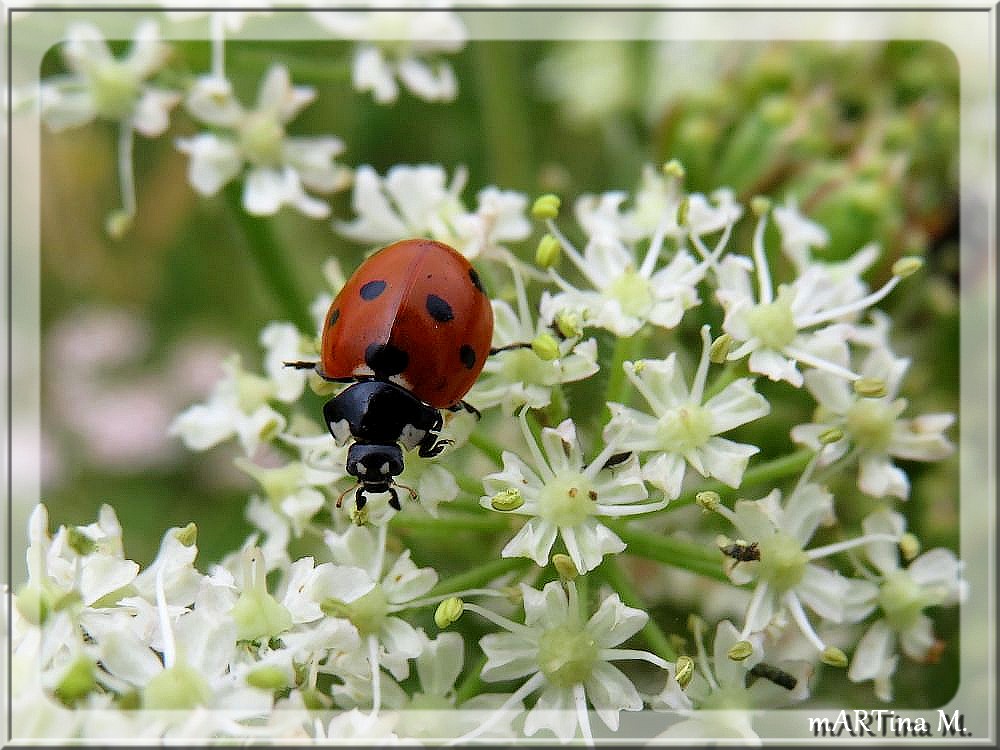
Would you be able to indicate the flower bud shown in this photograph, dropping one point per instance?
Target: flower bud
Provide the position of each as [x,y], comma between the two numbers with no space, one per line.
[682,211]
[909,546]
[870,387]
[448,612]
[760,205]
[907,266]
[359,516]
[188,536]
[546,206]
[568,324]
[548,253]
[832,435]
[267,677]
[78,680]
[684,670]
[834,657]
[118,223]
[709,500]
[740,650]
[674,168]
[546,347]
[565,566]
[720,349]
[177,688]
[80,542]
[506,500]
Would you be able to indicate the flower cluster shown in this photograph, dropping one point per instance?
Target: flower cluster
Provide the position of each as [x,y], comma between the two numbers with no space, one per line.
[596,428]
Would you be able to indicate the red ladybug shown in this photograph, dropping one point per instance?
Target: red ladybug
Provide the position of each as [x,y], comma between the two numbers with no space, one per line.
[411,329]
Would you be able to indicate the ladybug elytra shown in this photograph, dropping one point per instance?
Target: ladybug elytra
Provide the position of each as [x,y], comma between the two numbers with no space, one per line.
[410,330]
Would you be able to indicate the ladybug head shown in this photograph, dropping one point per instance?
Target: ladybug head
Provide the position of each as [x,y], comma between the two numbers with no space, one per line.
[376,467]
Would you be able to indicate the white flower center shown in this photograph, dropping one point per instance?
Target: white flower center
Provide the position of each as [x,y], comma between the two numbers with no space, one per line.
[567,500]
[685,428]
[782,561]
[261,136]
[632,291]
[870,423]
[773,322]
[566,655]
[115,87]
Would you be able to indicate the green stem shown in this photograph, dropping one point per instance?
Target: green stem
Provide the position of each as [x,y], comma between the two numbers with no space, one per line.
[270,259]
[471,485]
[654,635]
[768,472]
[489,448]
[729,373]
[691,556]
[478,577]
[472,684]
[618,383]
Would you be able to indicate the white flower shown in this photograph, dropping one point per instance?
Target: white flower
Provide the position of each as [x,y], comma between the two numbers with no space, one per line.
[567,658]
[237,406]
[873,426]
[795,324]
[717,702]
[397,44]
[786,575]
[798,234]
[414,201]
[628,292]
[520,377]
[389,640]
[101,85]
[933,579]
[685,427]
[564,496]
[279,167]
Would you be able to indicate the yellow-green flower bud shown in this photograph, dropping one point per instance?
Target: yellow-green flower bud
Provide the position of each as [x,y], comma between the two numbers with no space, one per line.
[267,677]
[834,657]
[870,387]
[314,700]
[740,650]
[448,612]
[33,604]
[674,168]
[682,211]
[359,516]
[565,566]
[177,688]
[548,253]
[546,347]
[831,436]
[909,546]
[760,205]
[708,500]
[568,324]
[188,536]
[684,670]
[546,206]
[907,266]
[508,499]
[78,680]
[118,223]
[720,349]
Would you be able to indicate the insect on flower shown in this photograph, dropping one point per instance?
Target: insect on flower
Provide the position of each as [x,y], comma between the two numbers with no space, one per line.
[410,330]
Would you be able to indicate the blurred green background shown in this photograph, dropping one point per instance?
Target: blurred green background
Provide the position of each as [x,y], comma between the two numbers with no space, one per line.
[864,136]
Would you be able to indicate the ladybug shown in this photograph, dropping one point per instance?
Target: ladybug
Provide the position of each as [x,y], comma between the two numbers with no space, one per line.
[410,330]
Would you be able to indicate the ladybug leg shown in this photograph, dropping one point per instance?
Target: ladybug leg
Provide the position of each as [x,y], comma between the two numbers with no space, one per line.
[360,498]
[394,499]
[431,446]
[300,364]
[509,347]
[466,406]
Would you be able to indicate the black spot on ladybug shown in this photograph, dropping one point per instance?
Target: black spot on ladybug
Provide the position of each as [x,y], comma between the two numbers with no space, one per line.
[439,309]
[334,316]
[475,280]
[468,356]
[386,360]
[372,289]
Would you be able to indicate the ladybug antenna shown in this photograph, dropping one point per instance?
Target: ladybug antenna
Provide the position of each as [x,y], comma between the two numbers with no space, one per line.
[301,365]
[343,494]
[413,492]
